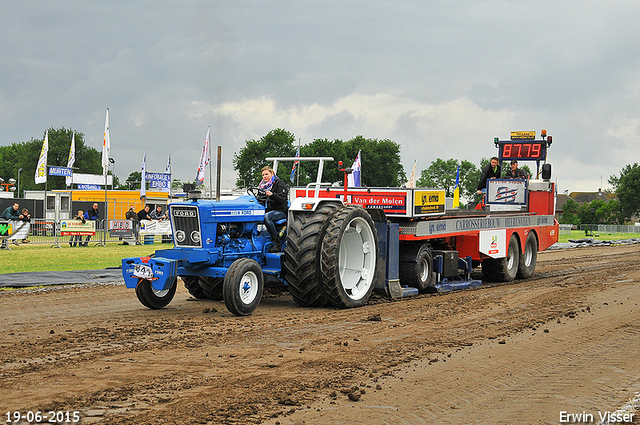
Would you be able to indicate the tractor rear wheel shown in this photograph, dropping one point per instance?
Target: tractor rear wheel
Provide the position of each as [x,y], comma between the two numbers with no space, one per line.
[153,298]
[191,283]
[349,257]
[243,286]
[302,255]
[416,266]
[503,269]
[528,260]
[211,287]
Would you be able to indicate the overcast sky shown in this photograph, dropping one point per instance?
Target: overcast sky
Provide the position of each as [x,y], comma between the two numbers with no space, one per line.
[441,78]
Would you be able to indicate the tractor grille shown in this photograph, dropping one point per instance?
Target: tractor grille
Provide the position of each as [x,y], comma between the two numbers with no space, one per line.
[186,226]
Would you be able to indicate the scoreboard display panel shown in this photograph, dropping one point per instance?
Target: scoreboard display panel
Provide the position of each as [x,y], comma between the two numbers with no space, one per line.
[535,150]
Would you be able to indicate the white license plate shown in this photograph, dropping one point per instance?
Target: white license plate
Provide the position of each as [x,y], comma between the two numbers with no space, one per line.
[143,271]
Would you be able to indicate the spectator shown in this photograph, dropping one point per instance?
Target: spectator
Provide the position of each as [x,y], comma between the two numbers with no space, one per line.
[10,213]
[26,217]
[77,239]
[516,173]
[275,201]
[157,214]
[143,214]
[91,214]
[133,216]
[491,171]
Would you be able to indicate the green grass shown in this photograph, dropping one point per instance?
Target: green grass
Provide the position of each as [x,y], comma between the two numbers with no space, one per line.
[37,258]
[40,257]
[578,234]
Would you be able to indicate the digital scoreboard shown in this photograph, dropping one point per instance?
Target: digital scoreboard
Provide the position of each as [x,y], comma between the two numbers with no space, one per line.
[523,146]
[526,150]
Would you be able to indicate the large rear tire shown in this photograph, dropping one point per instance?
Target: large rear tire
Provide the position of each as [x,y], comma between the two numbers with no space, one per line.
[152,298]
[191,283]
[211,287]
[243,286]
[302,255]
[503,269]
[416,266]
[349,257]
[529,259]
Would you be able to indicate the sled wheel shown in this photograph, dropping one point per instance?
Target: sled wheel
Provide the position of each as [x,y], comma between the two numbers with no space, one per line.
[153,298]
[191,283]
[243,286]
[416,266]
[528,260]
[211,287]
[302,256]
[349,257]
[503,269]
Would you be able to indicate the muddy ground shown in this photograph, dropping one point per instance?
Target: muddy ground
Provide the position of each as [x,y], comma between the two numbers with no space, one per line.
[566,340]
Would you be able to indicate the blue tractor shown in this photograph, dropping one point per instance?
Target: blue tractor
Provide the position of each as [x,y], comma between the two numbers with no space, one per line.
[221,252]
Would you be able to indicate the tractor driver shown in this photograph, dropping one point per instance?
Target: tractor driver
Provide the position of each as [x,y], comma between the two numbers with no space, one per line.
[275,201]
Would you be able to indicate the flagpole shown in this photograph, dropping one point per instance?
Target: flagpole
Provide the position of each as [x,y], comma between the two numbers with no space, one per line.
[298,168]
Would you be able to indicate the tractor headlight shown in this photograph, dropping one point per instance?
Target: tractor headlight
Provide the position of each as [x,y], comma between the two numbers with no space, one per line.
[195,236]
[180,236]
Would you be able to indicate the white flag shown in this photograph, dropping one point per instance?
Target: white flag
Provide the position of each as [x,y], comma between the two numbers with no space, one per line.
[143,182]
[353,180]
[168,170]
[204,159]
[106,146]
[41,169]
[72,158]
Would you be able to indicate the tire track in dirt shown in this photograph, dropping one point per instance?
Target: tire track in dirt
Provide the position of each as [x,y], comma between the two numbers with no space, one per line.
[188,363]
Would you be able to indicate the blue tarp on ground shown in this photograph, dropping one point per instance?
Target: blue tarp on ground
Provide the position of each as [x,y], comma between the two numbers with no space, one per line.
[61,278]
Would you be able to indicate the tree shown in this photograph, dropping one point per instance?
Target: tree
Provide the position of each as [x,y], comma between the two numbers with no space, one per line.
[25,155]
[570,213]
[381,162]
[248,162]
[380,159]
[442,174]
[627,187]
[133,181]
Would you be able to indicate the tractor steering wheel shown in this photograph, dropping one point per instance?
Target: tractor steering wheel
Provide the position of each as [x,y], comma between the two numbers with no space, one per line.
[257,193]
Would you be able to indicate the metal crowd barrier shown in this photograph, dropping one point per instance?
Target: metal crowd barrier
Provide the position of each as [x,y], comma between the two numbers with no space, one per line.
[48,232]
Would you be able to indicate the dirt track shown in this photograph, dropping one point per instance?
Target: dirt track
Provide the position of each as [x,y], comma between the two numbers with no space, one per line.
[566,340]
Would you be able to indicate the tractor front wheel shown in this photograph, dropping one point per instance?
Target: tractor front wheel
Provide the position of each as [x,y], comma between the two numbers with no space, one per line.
[243,286]
[152,298]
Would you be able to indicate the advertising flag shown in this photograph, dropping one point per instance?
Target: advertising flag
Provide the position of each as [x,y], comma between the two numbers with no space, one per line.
[106,145]
[204,159]
[72,158]
[456,190]
[354,178]
[143,179]
[295,165]
[168,170]
[41,169]
[412,177]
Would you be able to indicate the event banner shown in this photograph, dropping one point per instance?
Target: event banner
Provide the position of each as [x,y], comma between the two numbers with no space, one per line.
[161,181]
[507,191]
[120,228]
[155,227]
[77,227]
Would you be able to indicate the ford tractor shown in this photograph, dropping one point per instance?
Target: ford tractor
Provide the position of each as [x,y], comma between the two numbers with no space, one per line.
[221,252]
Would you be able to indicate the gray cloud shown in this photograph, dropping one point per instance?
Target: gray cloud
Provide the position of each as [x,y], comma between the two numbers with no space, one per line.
[440,78]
